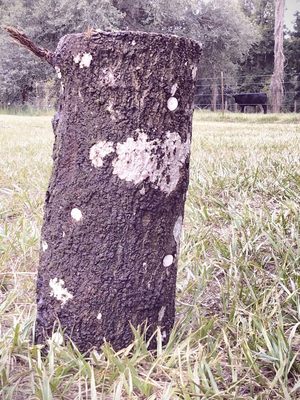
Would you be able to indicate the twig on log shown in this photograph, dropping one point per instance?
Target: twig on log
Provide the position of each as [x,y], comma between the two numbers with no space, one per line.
[24,41]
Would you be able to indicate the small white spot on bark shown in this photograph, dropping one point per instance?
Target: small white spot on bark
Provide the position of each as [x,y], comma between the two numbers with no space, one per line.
[173,89]
[109,107]
[99,151]
[194,71]
[164,335]
[44,245]
[110,77]
[59,292]
[172,103]
[77,58]
[76,214]
[62,88]
[86,60]
[161,313]
[148,285]
[63,234]
[133,43]
[177,231]
[143,191]
[57,69]
[99,316]
[168,260]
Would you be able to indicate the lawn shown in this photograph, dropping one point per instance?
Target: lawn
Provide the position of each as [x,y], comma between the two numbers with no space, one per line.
[237,334]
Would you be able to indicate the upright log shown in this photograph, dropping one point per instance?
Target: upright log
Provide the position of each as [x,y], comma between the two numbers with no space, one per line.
[115,202]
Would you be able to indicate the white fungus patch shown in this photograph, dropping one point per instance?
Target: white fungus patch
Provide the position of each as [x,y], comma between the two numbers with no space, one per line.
[58,291]
[99,151]
[44,245]
[77,58]
[177,231]
[161,313]
[158,161]
[76,214]
[99,316]
[86,60]
[57,69]
[168,260]
[173,89]
[172,103]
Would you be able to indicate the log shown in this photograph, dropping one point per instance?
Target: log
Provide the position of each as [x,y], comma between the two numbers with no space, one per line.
[115,203]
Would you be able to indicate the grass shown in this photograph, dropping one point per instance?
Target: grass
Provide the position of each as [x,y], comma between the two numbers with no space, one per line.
[237,334]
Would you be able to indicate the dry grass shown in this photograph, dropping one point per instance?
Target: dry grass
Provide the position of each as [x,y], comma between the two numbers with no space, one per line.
[238,306]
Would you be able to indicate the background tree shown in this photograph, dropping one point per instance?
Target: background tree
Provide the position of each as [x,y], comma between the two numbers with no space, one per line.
[278,74]
[224,31]
[255,71]
[292,69]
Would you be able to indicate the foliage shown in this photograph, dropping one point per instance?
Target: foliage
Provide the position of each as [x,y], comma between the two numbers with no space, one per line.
[292,54]
[223,29]
[238,310]
[255,72]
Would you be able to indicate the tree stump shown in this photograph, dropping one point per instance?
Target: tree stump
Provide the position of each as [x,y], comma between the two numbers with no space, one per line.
[115,202]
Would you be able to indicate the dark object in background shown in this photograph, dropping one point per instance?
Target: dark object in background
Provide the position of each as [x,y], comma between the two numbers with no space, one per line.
[251,99]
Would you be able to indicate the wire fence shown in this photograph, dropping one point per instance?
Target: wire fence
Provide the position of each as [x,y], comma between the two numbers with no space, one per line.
[216,93]
[213,93]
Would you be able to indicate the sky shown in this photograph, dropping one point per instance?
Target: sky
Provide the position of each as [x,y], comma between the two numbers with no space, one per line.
[291,6]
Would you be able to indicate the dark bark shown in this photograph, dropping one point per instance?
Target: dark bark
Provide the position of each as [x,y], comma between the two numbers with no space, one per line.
[115,202]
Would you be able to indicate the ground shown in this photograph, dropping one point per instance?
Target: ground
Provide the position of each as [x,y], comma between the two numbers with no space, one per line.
[237,334]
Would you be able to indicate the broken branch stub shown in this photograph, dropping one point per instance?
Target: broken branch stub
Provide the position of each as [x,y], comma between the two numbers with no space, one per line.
[115,202]
[28,44]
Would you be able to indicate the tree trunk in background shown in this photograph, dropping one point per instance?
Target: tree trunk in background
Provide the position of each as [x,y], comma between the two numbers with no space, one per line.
[214,95]
[278,74]
[115,202]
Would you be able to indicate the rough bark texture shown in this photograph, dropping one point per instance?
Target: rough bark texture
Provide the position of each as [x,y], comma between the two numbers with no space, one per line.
[115,202]
[278,74]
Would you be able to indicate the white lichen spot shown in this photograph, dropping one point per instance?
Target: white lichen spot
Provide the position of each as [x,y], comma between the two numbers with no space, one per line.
[164,335]
[173,89]
[57,69]
[76,214]
[99,151]
[168,260]
[194,71]
[161,313]
[99,316]
[159,161]
[77,58]
[58,291]
[63,234]
[177,231]
[172,103]
[44,245]
[109,107]
[86,60]
[133,43]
